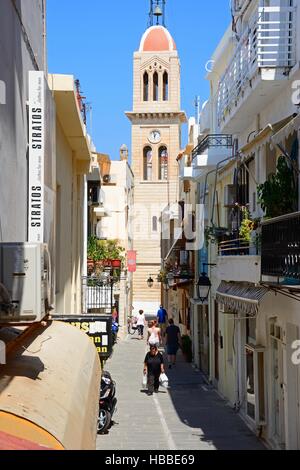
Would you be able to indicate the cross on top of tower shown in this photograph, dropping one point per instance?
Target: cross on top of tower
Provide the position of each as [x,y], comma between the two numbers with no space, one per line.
[157,14]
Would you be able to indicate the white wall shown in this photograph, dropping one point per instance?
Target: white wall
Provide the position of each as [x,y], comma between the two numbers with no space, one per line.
[15,62]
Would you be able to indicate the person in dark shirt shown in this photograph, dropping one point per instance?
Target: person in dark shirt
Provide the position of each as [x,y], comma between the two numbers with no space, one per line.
[173,341]
[153,367]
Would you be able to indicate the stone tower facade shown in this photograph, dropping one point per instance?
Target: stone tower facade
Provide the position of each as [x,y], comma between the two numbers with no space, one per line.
[156,142]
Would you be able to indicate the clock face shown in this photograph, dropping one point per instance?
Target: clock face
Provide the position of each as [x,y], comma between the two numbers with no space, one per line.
[154,137]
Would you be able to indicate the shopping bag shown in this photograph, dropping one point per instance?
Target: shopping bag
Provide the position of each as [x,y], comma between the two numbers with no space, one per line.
[164,381]
[144,381]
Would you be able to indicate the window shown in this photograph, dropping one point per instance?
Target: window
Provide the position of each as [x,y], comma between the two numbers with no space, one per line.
[155,86]
[148,163]
[165,87]
[163,163]
[154,224]
[146,87]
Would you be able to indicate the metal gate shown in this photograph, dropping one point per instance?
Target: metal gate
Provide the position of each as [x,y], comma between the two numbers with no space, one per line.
[97,295]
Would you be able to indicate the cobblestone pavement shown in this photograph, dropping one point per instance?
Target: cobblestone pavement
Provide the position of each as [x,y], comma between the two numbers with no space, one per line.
[190,415]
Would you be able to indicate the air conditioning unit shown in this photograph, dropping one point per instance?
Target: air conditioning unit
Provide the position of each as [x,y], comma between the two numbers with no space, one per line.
[230,195]
[25,282]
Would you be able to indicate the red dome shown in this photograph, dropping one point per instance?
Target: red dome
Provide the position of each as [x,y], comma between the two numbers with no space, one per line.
[157,39]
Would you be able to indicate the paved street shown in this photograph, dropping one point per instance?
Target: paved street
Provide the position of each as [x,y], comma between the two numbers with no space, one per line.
[189,416]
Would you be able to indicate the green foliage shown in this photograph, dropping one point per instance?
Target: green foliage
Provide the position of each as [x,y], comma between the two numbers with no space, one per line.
[248,226]
[278,195]
[101,250]
[214,234]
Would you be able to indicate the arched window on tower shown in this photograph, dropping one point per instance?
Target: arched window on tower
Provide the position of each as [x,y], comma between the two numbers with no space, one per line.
[165,86]
[163,163]
[155,86]
[146,87]
[148,154]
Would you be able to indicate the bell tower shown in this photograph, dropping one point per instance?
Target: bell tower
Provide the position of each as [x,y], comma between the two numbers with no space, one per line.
[156,121]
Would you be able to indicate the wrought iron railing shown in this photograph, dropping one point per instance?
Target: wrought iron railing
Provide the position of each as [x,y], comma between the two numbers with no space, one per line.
[213,140]
[281,247]
[238,247]
[97,294]
[268,42]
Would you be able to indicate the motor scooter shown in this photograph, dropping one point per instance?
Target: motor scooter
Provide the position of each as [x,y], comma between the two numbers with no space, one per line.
[107,402]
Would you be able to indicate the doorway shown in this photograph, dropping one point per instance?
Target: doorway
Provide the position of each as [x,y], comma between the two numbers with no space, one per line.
[203,331]
[277,386]
[216,341]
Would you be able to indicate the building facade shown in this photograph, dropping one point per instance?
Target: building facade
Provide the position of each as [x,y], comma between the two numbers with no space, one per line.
[156,121]
[251,147]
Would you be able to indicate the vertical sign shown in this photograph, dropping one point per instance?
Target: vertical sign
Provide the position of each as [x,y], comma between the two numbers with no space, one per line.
[36,157]
[131,261]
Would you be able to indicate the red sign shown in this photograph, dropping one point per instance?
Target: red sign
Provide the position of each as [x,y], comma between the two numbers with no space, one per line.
[131,261]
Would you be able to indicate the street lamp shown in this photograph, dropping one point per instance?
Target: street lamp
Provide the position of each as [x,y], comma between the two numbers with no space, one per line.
[204,285]
[150,282]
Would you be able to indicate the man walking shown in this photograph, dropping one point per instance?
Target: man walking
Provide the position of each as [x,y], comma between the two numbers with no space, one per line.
[162,318]
[173,342]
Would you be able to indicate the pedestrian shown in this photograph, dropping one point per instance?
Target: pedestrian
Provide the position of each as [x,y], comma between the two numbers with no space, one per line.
[162,318]
[153,367]
[141,322]
[173,341]
[154,334]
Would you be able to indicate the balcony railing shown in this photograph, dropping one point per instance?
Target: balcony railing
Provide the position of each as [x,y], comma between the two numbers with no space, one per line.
[238,247]
[213,140]
[281,247]
[268,42]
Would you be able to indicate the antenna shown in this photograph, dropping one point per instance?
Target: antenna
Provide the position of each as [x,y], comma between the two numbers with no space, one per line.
[157,12]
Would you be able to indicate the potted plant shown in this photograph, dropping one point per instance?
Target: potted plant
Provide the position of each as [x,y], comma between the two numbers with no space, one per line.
[214,234]
[278,195]
[187,348]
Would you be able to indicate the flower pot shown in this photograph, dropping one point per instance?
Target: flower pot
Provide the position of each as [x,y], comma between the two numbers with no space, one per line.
[116,263]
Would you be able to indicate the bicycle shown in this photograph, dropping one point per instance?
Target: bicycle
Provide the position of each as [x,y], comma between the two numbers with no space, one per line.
[131,326]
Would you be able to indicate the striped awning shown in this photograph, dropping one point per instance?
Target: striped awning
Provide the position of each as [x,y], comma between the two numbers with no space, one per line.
[240,297]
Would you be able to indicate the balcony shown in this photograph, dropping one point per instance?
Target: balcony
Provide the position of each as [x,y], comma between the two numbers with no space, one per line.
[211,151]
[281,249]
[238,261]
[259,68]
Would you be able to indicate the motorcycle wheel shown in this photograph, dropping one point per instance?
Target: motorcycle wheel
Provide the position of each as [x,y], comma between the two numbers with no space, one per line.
[104,420]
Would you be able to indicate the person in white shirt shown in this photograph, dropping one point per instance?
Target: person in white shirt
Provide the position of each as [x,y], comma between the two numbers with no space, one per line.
[154,334]
[141,322]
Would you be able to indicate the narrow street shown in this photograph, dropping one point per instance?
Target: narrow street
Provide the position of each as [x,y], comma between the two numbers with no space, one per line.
[188,416]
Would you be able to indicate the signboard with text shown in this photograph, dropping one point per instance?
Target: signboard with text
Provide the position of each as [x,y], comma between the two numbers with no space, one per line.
[97,327]
[36,156]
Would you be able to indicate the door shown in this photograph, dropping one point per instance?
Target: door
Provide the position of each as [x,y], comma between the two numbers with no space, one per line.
[203,327]
[216,340]
[293,389]
[277,393]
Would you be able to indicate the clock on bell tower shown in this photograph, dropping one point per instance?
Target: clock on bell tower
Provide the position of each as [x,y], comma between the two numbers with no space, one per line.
[156,121]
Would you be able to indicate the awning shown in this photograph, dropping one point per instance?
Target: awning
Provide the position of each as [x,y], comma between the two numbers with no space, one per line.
[265,135]
[176,242]
[286,131]
[240,297]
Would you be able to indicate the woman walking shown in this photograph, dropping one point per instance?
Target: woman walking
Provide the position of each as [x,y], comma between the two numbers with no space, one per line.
[153,367]
[141,321]
[154,337]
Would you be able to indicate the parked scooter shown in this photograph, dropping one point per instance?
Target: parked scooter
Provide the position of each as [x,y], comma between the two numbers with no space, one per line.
[107,402]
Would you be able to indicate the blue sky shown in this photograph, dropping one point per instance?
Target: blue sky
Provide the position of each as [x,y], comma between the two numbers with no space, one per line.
[94,40]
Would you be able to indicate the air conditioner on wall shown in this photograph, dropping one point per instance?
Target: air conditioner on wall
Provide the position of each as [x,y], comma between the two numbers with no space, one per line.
[25,282]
